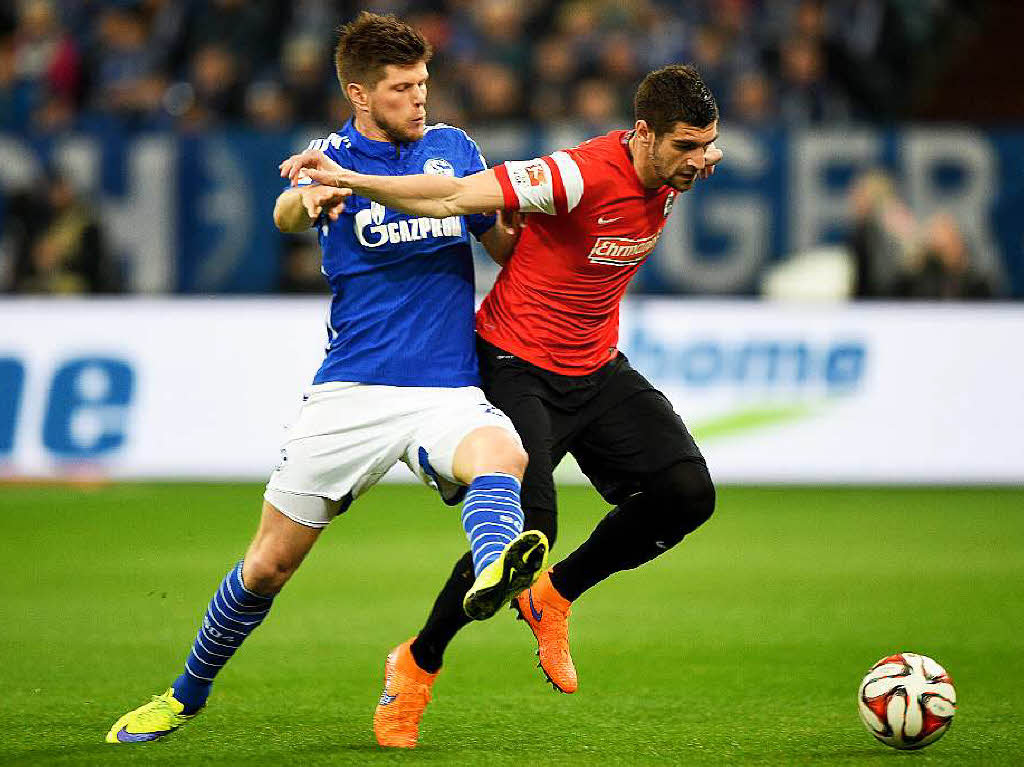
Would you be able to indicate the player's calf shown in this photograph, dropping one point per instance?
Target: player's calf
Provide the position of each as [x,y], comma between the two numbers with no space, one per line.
[644,526]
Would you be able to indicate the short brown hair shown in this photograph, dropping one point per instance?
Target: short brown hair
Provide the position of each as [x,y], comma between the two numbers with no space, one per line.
[674,94]
[371,42]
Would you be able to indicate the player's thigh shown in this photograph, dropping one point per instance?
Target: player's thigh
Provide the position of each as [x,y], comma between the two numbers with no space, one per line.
[448,417]
[345,438]
[632,441]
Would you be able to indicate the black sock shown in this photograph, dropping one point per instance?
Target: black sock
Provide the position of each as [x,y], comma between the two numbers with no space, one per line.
[446,617]
[674,503]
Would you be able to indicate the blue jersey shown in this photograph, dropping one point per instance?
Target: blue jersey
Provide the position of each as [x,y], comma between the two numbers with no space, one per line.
[403,294]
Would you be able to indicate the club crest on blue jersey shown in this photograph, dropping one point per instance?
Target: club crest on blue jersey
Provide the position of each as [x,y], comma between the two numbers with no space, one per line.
[437,166]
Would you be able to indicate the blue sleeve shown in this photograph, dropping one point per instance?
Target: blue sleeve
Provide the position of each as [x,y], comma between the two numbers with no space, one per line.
[338,155]
[478,223]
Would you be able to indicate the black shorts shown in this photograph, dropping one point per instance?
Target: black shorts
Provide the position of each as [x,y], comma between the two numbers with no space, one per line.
[618,427]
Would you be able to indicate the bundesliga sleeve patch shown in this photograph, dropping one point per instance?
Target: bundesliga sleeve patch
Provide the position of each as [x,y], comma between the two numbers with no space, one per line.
[534,175]
[551,184]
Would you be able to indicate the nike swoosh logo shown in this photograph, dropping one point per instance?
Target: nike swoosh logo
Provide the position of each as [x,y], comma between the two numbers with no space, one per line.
[603,220]
[386,699]
[130,737]
[533,610]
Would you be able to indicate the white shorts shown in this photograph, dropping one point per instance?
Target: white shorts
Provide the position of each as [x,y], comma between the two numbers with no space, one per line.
[348,435]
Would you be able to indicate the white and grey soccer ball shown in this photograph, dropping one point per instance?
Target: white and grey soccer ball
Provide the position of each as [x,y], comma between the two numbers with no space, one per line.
[907,701]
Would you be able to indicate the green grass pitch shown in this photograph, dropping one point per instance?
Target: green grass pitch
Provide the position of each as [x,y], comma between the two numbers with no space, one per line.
[745,645]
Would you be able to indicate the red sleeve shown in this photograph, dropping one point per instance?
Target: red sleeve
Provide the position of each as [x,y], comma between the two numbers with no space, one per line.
[561,207]
[507,192]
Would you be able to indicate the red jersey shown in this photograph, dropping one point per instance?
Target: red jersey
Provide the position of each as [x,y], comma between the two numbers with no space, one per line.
[556,302]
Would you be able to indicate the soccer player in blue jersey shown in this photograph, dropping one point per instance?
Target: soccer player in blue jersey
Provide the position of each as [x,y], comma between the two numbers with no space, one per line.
[399,382]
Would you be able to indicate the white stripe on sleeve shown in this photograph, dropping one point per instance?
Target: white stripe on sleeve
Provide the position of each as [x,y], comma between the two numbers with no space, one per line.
[572,179]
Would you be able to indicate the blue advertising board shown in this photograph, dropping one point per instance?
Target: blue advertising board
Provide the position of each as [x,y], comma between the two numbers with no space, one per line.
[192,214]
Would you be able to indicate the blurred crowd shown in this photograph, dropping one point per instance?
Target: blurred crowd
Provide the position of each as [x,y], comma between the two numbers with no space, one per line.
[898,255]
[193,65]
[189,64]
[55,242]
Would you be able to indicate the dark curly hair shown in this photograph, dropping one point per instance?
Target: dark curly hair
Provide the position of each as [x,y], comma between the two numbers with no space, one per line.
[674,94]
[371,42]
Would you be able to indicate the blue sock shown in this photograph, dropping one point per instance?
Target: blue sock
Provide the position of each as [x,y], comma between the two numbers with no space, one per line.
[491,516]
[233,614]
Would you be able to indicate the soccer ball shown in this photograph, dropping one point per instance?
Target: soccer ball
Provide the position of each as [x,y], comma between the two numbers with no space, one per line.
[907,701]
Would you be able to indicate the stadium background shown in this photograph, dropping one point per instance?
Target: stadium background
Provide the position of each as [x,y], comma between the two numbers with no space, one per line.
[839,305]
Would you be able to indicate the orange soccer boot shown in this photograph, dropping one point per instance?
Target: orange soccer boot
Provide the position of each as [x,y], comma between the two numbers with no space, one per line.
[546,612]
[396,722]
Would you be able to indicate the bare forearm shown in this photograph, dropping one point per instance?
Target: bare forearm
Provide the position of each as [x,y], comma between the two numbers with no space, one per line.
[421,195]
[289,212]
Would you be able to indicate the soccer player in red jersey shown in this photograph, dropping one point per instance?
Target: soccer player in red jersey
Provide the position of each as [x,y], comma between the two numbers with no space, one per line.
[547,335]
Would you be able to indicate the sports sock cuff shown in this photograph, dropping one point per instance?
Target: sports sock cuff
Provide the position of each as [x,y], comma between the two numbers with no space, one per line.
[244,594]
[497,480]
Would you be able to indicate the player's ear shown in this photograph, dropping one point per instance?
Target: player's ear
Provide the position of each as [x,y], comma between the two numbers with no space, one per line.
[357,95]
[643,132]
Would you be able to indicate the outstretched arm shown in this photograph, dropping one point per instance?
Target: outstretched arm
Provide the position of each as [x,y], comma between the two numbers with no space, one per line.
[297,208]
[420,195]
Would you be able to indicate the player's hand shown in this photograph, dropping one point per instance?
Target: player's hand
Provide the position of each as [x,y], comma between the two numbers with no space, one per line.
[712,156]
[323,199]
[299,165]
[512,222]
[342,177]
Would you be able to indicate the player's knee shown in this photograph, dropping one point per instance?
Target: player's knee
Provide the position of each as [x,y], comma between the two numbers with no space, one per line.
[506,455]
[515,459]
[688,493]
[266,569]
[263,575]
[489,450]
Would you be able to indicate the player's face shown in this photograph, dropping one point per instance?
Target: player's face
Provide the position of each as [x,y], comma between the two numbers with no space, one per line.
[678,156]
[398,102]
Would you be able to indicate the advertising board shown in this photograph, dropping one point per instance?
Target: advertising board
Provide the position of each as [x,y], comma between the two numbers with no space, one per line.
[204,388]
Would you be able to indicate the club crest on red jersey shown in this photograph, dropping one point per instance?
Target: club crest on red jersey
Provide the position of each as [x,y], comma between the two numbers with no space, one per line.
[669,202]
